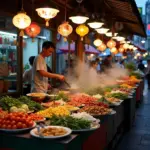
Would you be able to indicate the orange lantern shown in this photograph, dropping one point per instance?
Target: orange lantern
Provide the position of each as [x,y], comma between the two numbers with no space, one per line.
[102,47]
[82,30]
[111,43]
[114,50]
[65,29]
[33,30]
[121,50]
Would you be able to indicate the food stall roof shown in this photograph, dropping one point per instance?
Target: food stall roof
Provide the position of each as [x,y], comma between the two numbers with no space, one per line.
[124,12]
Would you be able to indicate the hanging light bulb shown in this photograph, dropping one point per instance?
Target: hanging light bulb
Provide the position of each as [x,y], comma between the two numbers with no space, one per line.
[102,47]
[119,38]
[82,30]
[111,43]
[97,42]
[102,30]
[126,46]
[109,34]
[78,19]
[135,48]
[47,13]
[131,46]
[95,25]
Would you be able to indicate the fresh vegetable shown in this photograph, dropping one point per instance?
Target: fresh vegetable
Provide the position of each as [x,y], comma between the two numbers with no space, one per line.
[70,122]
[16,121]
[61,95]
[7,102]
[36,117]
[117,95]
[58,111]
[31,104]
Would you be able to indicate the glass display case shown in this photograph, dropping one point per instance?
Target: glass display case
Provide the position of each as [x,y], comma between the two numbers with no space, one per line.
[8,62]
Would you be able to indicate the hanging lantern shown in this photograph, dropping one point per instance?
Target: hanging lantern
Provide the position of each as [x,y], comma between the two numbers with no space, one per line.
[111,43]
[114,50]
[109,34]
[78,19]
[119,38]
[102,30]
[125,46]
[131,46]
[121,50]
[65,29]
[33,30]
[47,13]
[95,25]
[102,47]
[97,42]
[82,30]
[135,48]
[21,21]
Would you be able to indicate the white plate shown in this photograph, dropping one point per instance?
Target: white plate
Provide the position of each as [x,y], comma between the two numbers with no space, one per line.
[18,130]
[32,132]
[87,130]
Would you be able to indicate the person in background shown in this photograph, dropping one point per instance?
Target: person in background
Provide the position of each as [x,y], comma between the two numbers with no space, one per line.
[27,76]
[107,61]
[148,73]
[93,65]
[141,66]
[98,65]
[40,74]
[122,64]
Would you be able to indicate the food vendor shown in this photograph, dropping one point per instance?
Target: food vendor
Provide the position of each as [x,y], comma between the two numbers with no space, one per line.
[40,74]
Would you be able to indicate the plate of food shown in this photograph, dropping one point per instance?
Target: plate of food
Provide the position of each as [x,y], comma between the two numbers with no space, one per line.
[37,96]
[18,130]
[51,132]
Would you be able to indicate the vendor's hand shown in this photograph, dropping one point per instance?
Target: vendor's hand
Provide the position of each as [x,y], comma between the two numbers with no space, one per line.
[61,77]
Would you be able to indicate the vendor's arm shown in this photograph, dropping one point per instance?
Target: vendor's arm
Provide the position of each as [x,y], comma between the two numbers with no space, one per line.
[51,75]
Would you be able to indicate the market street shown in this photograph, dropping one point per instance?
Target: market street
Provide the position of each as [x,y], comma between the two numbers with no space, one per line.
[139,136]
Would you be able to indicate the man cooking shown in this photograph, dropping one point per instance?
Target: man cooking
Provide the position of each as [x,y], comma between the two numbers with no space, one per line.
[40,74]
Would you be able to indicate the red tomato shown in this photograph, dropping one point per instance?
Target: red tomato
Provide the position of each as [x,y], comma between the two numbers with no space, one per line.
[14,127]
[19,125]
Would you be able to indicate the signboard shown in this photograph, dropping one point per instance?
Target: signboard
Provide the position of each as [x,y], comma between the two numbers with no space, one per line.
[140,10]
[148,30]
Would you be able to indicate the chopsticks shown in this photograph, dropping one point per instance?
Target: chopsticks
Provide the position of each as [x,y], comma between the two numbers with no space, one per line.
[67,84]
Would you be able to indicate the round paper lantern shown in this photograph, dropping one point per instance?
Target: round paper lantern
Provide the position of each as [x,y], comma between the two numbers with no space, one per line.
[82,30]
[47,13]
[97,42]
[111,43]
[102,47]
[121,50]
[21,21]
[33,30]
[65,30]
[114,50]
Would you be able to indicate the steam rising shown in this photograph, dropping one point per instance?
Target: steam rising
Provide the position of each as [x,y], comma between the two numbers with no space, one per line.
[88,77]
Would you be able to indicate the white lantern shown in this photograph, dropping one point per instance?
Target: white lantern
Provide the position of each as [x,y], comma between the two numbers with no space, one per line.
[78,19]
[126,46]
[97,42]
[119,38]
[21,21]
[47,13]
[109,34]
[95,25]
[102,30]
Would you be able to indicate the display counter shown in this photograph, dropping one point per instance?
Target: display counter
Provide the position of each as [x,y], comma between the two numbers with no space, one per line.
[108,135]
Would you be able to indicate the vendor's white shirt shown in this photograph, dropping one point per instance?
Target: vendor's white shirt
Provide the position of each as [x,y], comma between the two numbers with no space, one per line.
[39,83]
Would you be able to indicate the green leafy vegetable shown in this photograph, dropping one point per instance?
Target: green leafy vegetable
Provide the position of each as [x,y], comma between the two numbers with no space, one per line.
[70,122]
